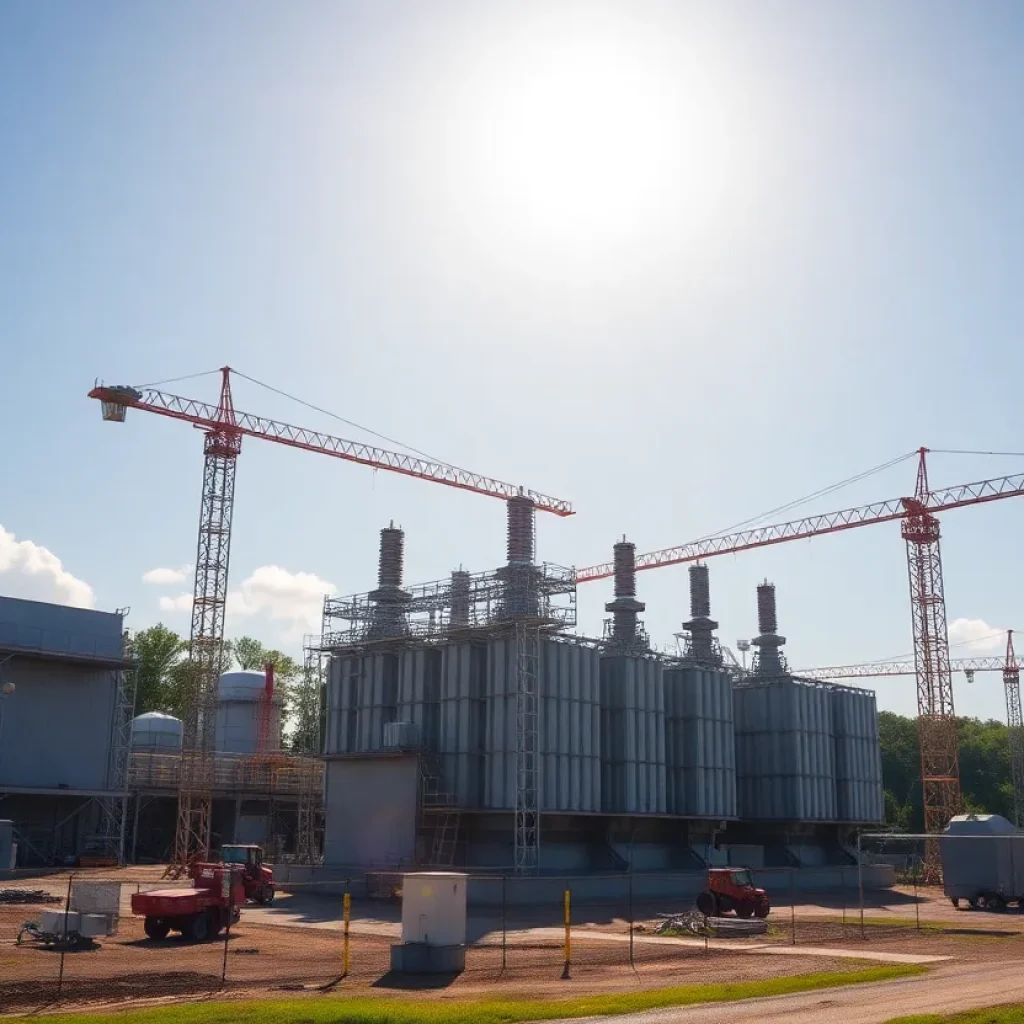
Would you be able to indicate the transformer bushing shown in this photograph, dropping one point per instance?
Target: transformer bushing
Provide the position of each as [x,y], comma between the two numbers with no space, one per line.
[520,575]
[389,598]
[768,661]
[625,608]
[703,645]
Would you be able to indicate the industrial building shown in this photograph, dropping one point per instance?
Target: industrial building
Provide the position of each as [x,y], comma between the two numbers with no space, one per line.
[83,780]
[65,723]
[466,726]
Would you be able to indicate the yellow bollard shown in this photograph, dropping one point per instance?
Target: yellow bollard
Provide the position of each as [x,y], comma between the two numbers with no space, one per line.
[568,937]
[346,917]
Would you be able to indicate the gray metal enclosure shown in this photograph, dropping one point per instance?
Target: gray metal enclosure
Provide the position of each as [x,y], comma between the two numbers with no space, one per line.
[633,776]
[982,854]
[785,752]
[860,796]
[700,742]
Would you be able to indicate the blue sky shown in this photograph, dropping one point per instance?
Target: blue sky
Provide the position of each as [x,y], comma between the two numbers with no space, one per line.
[680,263]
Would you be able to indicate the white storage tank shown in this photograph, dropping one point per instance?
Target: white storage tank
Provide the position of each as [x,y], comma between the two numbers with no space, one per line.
[240,700]
[156,733]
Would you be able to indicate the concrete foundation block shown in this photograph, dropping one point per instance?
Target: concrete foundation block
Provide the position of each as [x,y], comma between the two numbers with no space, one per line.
[419,958]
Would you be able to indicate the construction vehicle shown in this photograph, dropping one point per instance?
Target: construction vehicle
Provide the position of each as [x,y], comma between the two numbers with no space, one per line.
[259,879]
[732,889]
[199,912]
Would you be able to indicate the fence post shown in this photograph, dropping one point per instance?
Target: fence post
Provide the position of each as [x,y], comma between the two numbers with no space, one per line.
[346,918]
[917,904]
[567,901]
[64,937]
[860,884]
[631,964]
[792,908]
[504,923]
[227,929]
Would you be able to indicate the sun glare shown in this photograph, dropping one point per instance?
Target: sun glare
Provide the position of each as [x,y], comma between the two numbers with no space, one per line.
[587,142]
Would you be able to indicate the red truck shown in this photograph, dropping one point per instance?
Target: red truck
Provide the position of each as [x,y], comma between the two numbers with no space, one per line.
[199,912]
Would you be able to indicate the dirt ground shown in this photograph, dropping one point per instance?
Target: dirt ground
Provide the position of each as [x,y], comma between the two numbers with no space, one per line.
[297,946]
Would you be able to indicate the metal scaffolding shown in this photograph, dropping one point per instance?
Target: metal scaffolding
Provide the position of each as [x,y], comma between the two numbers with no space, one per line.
[114,809]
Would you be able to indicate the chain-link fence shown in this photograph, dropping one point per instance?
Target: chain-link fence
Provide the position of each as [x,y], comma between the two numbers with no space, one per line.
[73,938]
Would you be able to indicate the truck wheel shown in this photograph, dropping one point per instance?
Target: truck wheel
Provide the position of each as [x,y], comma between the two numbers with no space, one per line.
[762,910]
[993,901]
[744,910]
[156,928]
[265,895]
[955,900]
[706,904]
[199,928]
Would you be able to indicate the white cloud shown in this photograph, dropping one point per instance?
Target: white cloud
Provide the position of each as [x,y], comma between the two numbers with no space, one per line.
[976,635]
[163,577]
[295,599]
[292,599]
[33,572]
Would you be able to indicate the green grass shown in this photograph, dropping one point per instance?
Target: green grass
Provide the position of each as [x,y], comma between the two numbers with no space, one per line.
[994,1015]
[395,1010]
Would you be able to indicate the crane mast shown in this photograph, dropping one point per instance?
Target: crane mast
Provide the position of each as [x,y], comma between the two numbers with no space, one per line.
[936,719]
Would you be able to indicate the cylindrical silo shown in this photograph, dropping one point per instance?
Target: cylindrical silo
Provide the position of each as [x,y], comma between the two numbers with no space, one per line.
[700,746]
[785,751]
[241,697]
[859,791]
[633,777]
[156,733]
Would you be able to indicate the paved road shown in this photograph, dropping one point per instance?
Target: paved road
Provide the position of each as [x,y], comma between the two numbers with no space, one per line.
[944,990]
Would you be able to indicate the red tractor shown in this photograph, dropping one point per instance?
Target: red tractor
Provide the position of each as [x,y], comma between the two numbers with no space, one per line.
[732,889]
[259,880]
[199,912]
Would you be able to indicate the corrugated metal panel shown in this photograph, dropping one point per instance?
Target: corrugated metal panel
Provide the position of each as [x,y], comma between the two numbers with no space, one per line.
[700,744]
[859,791]
[362,696]
[570,721]
[462,721]
[500,734]
[419,692]
[785,751]
[633,777]
[378,700]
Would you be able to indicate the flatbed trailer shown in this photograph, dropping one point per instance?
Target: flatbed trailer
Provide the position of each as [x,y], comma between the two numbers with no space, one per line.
[200,912]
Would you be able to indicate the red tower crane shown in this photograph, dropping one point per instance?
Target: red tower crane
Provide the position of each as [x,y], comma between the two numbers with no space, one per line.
[920,529]
[223,428]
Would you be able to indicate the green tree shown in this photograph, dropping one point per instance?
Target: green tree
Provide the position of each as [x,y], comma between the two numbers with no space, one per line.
[901,771]
[984,769]
[159,651]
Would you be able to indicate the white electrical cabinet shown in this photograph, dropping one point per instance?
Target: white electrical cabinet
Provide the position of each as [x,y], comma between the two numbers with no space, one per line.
[434,908]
